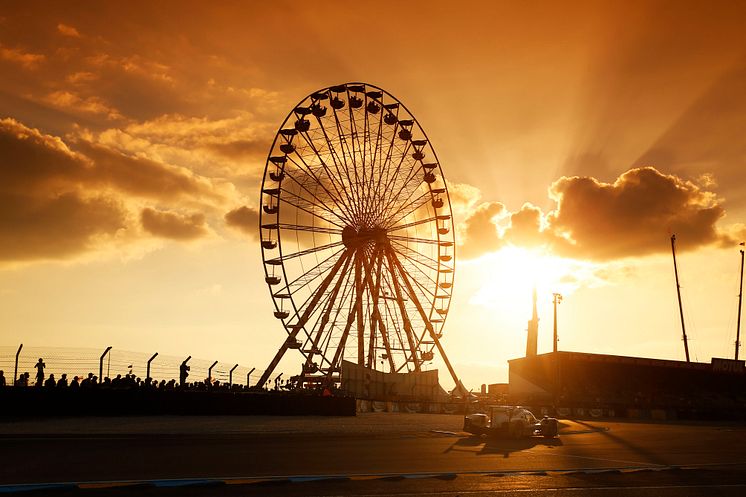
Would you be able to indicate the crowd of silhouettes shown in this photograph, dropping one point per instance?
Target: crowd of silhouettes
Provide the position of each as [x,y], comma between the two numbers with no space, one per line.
[130,381]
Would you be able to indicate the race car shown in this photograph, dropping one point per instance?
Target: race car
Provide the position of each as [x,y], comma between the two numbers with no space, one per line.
[510,421]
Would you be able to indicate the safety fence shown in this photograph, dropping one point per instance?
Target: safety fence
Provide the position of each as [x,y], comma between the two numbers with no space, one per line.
[110,362]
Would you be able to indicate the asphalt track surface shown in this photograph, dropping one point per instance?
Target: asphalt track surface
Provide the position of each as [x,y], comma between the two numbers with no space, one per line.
[372,454]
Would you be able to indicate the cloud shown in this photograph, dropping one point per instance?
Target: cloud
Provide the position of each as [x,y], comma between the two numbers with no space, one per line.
[66,30]
[173,225]
[56,227]
[244,219]
[480,230]
[88,105]
[633,216]
[59,200]
[18,56]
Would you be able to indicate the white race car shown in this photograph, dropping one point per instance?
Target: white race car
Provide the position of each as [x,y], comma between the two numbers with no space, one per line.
[510,421]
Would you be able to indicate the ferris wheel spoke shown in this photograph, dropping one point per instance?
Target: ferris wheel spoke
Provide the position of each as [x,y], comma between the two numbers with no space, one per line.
[350,153]
[401,199]
[387,199]
[337,160]
[412,239]
[410,254]
[412,206]
[308,174]
[307,251]
[310,207]
[314,229]
[385,162]
[314,273]
[309,177]
[412,224]
[419,269]
[305,310]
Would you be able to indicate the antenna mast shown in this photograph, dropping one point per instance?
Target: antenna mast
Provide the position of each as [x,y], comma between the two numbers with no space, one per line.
[740,298]
[678,293]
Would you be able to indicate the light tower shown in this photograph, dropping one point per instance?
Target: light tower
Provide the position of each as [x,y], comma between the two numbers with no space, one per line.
[556,299]
[533,331]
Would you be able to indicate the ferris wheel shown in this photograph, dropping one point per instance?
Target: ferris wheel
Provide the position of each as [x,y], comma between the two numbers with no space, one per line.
[356,234]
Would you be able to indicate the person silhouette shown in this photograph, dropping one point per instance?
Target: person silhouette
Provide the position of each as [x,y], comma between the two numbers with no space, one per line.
[40,372]
[183,373]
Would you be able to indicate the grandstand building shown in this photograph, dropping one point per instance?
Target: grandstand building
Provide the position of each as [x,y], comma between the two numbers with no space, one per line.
[621,384]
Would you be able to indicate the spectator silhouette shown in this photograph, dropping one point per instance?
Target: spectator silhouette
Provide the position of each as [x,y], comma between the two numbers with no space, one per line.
[2,378]
[87,382]
[22,380]
[75,383]
[183,373]
[50,383]
[62,382]
[40,372]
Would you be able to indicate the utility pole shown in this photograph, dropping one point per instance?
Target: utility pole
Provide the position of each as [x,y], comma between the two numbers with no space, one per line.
[740,300]
[556,299]
[678,293]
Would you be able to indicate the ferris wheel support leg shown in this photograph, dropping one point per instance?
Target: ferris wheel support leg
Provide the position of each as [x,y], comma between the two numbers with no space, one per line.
[377,324]
[302,321]
[402,308]
[327,313]
[428,325]
[359,309]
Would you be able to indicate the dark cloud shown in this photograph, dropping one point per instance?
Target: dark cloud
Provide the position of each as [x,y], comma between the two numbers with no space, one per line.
[56,202]
[244,219]
[633,216]
[33,159]
[141,176]
[43,215]
[56,227]
[174,225]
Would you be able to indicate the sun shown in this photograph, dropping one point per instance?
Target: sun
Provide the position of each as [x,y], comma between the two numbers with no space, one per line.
[509,276]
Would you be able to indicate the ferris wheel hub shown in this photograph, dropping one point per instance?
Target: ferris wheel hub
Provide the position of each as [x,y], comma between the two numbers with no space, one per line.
[357,237]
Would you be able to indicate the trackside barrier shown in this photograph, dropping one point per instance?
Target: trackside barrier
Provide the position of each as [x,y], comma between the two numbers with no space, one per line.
[112,402]
[363,405]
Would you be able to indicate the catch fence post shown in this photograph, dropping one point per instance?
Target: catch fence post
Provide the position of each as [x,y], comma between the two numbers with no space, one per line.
[148,371]
[248,377]
[209,372]
[230,376]
[101,365]
[15,372]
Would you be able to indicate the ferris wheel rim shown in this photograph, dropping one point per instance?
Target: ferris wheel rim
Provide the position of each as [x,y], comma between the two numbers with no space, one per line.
[446,194]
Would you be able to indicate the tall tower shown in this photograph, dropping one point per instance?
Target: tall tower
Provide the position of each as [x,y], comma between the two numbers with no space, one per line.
[533,331]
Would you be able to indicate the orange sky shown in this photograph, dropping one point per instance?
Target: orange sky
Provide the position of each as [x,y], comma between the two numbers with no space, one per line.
[576,139]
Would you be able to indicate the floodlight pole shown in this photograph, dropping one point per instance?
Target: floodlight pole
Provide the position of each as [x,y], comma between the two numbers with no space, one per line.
[740,300]
[15,371]
[556,299]
[678,293]
[149,361]
[230,376]
[101,365]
